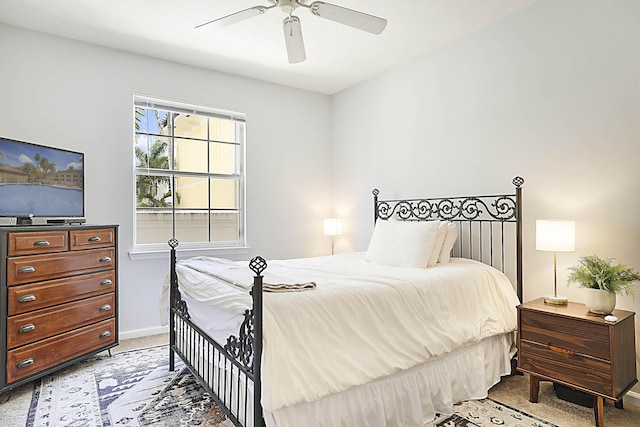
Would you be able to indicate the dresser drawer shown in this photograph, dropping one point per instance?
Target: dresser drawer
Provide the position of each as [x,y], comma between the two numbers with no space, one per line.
[91,238]
[558,364]
[33,326]
[34,268]
[39,295]
[37,242]
[565,333]
[33,358]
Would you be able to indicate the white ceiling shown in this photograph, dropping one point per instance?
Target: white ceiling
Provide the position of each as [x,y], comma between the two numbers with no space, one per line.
[337,56]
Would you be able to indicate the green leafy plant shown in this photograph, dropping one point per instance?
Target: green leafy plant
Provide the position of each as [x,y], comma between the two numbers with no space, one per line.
[598,273]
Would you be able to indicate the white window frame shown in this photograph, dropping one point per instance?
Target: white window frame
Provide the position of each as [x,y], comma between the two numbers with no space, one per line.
[146,250]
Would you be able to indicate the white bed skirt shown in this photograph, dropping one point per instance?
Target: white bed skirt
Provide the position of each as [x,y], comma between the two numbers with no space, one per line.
[409,398]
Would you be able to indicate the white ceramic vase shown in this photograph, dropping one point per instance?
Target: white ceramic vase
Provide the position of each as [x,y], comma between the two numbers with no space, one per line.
[599,301]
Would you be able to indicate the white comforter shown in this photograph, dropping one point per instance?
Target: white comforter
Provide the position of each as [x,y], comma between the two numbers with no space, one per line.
[363,321]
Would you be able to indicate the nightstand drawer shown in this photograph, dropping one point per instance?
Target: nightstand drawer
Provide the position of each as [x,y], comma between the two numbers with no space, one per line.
[564,365]
[566,333]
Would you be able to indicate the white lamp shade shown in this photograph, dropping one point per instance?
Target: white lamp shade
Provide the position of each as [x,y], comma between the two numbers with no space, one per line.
[555,235]
[332,227]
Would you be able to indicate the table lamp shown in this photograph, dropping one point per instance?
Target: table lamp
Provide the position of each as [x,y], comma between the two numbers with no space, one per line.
[332,227]
[556,236]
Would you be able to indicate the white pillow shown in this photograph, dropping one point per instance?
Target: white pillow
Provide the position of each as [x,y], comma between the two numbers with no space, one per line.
[447,245]
[402,243]
[437,244]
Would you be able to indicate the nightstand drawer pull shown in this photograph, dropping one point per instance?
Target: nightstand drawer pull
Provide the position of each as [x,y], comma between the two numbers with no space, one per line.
[106,282]
[27,328]
[105,259]
[105,334]
[27,269]
[25,363]
[27,298]
[559,350]
[105,307]
[41,243]
[94,239]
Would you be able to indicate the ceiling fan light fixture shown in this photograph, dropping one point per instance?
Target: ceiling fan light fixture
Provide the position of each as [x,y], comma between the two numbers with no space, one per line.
[293,39]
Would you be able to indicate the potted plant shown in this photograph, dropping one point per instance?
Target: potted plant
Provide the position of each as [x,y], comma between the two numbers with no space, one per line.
[603,280]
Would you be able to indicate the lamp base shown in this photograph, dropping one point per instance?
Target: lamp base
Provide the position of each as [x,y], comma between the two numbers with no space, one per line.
[556,300]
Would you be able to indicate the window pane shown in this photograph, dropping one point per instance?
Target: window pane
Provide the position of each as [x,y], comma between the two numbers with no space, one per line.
[225,227]
[224,194]
[152,152]
[153,191]
[222,158]
[192,226]
[191,155]
[190,126]
[222,130]
[153,226]
[140,150]
[192,192]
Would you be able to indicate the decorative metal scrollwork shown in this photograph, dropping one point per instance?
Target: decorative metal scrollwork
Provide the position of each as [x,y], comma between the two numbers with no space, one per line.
[241,347]
[491,208]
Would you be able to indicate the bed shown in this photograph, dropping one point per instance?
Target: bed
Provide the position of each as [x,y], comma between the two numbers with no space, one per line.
[386,337]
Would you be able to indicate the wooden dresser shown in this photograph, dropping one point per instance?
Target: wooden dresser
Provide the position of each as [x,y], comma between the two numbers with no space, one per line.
[569,345]
[58,297]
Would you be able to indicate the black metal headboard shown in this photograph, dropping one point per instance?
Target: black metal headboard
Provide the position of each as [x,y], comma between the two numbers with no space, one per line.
[489,227]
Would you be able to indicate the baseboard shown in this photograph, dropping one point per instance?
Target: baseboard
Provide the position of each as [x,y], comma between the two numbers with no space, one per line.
[146,332]
[632,398]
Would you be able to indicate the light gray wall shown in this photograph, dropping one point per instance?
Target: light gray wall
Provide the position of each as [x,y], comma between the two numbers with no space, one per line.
[551,94]
[78,96]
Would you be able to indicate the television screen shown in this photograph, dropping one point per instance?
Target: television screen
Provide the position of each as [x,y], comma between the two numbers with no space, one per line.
[40,181]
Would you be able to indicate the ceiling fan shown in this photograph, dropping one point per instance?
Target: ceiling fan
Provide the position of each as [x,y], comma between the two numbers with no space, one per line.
[291,24]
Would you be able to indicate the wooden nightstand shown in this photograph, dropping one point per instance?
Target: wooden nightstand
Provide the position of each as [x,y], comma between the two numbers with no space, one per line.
[569,345]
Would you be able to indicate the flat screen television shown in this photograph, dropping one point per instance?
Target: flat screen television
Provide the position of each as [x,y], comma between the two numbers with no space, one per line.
[40,184]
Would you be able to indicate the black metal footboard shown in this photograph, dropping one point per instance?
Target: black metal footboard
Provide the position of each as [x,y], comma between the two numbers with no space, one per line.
[229,372]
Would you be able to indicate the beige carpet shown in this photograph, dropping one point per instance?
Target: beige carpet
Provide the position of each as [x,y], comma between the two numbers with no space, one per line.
[511,391]
[514,392]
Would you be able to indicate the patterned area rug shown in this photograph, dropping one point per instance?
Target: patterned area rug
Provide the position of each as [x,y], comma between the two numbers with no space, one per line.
[136,388]
[487,413]
[133,388]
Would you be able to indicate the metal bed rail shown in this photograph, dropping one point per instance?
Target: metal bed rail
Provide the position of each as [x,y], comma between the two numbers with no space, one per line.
[231,372]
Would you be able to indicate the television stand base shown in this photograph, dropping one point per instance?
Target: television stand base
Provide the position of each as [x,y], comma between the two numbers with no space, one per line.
[24,220]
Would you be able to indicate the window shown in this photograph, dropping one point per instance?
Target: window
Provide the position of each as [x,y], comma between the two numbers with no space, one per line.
[189,175]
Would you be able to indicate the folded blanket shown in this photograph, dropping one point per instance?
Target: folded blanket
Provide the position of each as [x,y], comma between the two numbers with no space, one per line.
[288,287]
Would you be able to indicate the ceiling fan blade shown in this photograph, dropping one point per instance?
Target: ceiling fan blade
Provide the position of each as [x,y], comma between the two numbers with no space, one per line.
[293,39]
[350,17]
[234,17]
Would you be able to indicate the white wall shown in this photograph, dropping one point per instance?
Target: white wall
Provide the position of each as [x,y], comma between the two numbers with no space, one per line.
[68,94]
[551,94]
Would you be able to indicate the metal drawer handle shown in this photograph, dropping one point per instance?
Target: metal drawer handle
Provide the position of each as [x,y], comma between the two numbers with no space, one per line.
[25,363]
[105,307]
[105,334]
[559,350]
[27,269]
[95,239]
[106,282]
[27,298]
[105,259]
[27,328]
[41,243]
